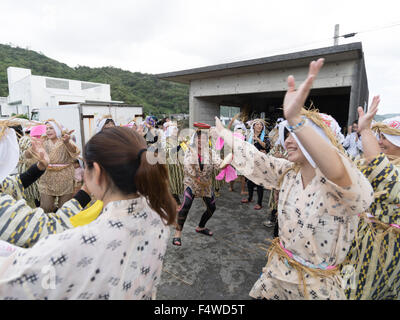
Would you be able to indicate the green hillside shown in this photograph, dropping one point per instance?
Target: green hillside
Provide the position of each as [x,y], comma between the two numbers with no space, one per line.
[385,116]
[156,96]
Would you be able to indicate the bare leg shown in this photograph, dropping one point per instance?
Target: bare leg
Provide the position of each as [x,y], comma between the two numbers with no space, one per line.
[243,185]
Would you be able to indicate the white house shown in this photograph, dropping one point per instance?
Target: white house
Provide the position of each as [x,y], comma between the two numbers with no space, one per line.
[27,91]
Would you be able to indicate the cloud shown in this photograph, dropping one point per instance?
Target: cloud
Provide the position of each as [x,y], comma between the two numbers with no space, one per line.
[157,36]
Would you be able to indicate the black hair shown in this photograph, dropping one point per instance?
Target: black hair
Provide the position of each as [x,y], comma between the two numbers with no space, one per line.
[109,121]
[120,154]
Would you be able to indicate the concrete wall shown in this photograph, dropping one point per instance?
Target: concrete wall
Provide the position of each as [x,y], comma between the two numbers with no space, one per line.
[201,110]
[333,75]
[36,91]
[15,74]
[21,91]
[44,96]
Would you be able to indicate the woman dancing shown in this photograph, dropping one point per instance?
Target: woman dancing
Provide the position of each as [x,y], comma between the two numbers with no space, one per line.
[375,254]
[199,163]
[58,180]
[118,256]
[321,194]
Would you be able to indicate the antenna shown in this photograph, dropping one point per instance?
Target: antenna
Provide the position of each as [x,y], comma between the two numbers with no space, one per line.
[336,35]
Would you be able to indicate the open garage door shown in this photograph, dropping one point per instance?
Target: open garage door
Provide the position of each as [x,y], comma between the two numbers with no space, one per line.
[268,105]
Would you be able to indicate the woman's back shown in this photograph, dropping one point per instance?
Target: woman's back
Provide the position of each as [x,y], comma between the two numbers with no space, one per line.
[118,256]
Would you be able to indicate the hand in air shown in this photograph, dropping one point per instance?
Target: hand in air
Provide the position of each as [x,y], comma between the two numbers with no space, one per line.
[365,119]
[40,153]
[218,126]
[294,99]
[67,136]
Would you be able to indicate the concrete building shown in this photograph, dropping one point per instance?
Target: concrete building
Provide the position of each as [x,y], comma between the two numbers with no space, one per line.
[258,86]
[27,91]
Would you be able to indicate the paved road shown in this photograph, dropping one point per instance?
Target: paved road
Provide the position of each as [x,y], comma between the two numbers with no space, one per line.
[224,266]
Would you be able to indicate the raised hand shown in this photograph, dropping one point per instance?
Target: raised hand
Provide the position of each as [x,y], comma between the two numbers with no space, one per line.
[365,119]
[218,125]
[294,99]
[66,136]
[40,153]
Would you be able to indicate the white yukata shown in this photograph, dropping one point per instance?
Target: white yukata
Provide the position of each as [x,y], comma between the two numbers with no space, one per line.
[353,145]
[317,223]
[118,256]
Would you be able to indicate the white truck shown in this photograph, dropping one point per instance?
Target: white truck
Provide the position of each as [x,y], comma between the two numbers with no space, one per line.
[83,117]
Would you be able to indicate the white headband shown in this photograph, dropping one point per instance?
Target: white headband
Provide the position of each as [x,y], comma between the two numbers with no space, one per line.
[9,153]
[333,125]
[393,123]
[393,139]
[253,122]
[101,124]
[56,128]
[239,125]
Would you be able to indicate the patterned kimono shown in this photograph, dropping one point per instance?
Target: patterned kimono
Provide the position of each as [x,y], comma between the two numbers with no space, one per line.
[279,152]
[32,192]
[200,181]
[23,226]
[353,145]
[375,255]
[59,180]
[118,256]
[316,223]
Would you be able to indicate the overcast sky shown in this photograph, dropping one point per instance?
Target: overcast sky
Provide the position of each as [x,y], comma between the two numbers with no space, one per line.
[157,36]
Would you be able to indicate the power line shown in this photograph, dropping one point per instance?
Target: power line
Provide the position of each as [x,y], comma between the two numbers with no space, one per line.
[291,48]
[380,28]
[347,35]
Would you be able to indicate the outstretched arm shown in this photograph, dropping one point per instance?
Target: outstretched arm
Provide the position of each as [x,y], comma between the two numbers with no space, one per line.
[258,167]
[324,155]
[369,142]
[72,148]
[35,171]
[22,231]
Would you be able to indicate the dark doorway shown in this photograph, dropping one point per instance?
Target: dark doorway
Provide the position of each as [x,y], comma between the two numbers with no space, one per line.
[268,105]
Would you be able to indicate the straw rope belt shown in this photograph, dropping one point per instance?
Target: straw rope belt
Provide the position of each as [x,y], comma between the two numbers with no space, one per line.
[375,226]
[58,167]
[369,219]
[300,265]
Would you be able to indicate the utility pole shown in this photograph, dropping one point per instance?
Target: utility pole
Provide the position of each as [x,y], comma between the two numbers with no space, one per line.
[336,35]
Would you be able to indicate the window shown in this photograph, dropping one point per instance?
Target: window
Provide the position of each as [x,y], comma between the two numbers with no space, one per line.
[57,84]
[88,85]
[227,113]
